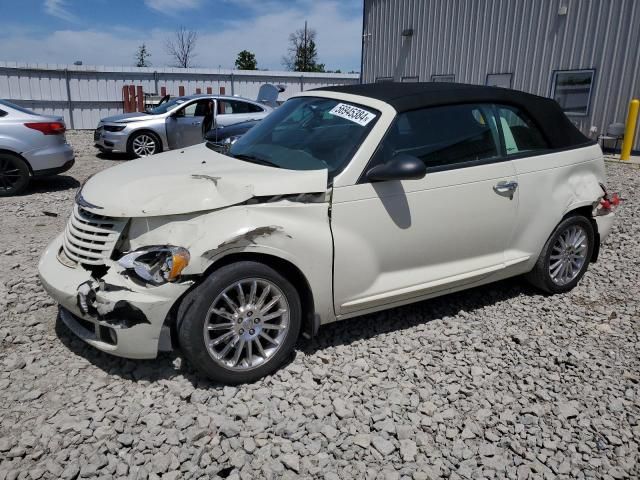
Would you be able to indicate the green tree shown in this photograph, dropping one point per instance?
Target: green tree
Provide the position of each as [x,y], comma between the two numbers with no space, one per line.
[246,60]
[142,56]
[303,55]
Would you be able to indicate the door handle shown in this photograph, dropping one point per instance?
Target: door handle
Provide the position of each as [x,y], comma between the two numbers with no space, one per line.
[505,188]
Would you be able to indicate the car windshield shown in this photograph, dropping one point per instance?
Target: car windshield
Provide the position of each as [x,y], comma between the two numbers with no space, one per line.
[166,106]
[307,133]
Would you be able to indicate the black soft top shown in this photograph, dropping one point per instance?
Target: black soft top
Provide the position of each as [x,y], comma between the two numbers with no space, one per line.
[403,97]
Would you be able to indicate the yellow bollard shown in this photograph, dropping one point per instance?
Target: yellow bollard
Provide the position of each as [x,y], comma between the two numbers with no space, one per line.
[630,129]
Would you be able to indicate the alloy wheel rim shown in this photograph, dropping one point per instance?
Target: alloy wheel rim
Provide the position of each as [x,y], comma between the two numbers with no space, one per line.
[568,255]
[144,145]
[9,175]
[246,324]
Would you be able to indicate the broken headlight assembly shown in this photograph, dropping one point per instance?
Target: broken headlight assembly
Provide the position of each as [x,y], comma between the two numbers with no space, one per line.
[157,264]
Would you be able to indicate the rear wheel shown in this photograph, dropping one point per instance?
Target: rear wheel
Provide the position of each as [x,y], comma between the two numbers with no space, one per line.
[241,323]
[143,144]
[14,175]
[565,257]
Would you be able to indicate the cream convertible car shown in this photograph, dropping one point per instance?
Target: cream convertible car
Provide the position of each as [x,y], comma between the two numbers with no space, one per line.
[344,201]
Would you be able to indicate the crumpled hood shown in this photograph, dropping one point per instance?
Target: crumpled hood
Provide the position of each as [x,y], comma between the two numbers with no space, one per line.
[127,118]
[190,180]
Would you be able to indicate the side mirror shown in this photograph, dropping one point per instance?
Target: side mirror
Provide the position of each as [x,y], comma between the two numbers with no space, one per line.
[400,167]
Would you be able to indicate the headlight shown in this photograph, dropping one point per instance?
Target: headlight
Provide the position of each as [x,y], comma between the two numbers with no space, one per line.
[157,264]
[114,128]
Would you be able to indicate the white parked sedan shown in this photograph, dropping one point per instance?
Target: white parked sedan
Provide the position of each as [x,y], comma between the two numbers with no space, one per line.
[344,201]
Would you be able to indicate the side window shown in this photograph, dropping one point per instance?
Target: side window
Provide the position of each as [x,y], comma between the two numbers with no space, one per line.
[253,108]
[443,136]
[189,110]
[195,109]
[225,107]
[520,133]
[239,107]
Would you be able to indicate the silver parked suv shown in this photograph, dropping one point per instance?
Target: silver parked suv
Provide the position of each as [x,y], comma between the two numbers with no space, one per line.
[30,145]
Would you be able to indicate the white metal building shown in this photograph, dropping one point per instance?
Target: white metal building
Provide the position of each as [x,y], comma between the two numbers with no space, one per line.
[583,53]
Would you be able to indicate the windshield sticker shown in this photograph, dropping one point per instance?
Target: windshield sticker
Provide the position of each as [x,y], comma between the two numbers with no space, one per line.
[355,114]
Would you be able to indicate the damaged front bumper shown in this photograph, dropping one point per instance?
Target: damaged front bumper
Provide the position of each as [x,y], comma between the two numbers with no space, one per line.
[112,313]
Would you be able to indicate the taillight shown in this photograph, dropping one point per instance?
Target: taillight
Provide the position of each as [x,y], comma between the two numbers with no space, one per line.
[48,128]
[608,202]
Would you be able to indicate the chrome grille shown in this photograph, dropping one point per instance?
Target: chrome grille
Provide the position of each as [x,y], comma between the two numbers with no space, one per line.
[90,238]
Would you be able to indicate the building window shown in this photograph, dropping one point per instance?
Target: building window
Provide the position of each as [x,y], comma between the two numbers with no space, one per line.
[499,80]
[410,79]
[384,79]
[572,90]
[443,78]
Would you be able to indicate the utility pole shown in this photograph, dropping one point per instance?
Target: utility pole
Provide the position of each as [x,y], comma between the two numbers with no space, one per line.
[306,48]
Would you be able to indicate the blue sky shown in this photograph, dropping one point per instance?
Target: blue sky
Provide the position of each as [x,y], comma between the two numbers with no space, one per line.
[107,32]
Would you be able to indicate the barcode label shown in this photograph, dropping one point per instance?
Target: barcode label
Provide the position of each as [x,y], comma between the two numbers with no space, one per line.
[355,114]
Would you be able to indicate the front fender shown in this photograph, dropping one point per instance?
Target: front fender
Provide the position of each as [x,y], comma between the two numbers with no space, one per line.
[155,125]
[296,232]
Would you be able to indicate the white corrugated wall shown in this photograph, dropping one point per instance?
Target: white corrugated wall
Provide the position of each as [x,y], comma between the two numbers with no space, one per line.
[93,92]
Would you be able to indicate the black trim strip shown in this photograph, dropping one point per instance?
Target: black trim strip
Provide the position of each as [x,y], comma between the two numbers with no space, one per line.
[54,171]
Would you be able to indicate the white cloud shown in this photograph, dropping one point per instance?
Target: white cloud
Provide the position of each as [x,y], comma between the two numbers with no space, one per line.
[169,6]
[58,8]
[338,41]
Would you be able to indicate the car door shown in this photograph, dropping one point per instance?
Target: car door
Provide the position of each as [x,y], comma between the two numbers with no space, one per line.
[184,127]
[548,181]
[399,241]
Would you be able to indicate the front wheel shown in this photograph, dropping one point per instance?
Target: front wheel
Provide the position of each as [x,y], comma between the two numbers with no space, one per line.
[565,257]
[143,144]
[240,324]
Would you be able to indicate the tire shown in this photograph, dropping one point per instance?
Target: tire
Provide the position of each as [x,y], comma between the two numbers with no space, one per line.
[204,317]
[14,175]
[143,144]
[549,274]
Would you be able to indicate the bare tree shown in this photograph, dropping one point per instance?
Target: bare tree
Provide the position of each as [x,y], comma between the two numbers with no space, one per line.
[182,47]
[302,56]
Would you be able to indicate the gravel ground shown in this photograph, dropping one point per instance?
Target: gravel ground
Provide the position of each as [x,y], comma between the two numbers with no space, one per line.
[494,382]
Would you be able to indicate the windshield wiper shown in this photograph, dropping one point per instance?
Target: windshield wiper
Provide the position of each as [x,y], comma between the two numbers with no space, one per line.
[254,159]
